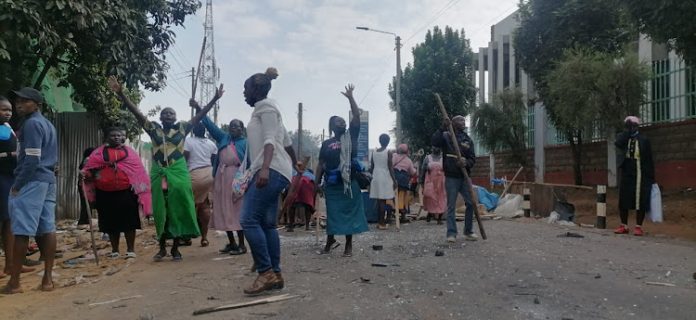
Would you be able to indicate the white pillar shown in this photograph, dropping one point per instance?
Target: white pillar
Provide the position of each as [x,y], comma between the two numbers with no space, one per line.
[482,74]
[501,66]
[492,72]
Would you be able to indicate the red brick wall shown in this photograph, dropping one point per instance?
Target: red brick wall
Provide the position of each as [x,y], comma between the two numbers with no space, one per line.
[559,164]
[674,153]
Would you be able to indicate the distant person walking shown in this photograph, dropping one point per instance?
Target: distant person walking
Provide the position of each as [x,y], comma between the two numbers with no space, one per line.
[432,178]
[32,200]
[404,170]
[172,196]
[383,182]
[116,181]
[200,152]
[637,175]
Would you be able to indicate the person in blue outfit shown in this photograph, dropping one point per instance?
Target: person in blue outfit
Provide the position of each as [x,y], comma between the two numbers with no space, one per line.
[33,195]
[344,206]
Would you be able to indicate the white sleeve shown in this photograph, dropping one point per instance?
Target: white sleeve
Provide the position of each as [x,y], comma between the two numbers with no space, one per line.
[187,145]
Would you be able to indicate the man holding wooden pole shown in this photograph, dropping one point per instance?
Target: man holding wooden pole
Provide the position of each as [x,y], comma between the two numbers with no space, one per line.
[457,168]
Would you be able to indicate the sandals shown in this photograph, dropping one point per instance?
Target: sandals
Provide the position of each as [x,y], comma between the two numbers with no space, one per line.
[113,255]
[204,242]
[159,256]
[176,256]
[238,251]
[130,255]
[228,248]
[334,245]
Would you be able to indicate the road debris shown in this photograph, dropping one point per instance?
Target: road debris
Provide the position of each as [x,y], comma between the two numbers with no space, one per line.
[273,299]
[114,300]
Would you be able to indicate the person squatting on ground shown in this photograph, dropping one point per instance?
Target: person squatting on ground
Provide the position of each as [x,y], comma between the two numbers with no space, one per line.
[455,181]
[383,181]
[32,198]
[344,206]
[272,158]
[432,178]
[227,208]
[172,196]
[115,180]
[404,170]
[637,175]
[199,152]
[300,197]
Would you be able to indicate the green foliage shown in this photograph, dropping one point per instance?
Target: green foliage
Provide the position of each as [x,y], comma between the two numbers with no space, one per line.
[500,125]
[667,21]
[550,27]
[442,64]
[86,40]
[310,144]
[589,89]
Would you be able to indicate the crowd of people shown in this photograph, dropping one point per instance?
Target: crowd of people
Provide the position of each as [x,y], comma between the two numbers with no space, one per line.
[234,182]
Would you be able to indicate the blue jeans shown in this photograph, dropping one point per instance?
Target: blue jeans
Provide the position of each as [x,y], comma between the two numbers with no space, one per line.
[258,219]
[455,187]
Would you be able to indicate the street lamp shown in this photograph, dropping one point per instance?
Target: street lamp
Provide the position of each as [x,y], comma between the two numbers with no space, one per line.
[398,78]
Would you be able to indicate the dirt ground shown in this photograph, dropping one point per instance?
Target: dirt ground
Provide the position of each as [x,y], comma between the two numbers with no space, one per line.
[527,269]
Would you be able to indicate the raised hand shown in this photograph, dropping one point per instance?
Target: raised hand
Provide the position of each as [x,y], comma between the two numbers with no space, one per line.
[349,91]
[114,85]
[219,92]
[194,104]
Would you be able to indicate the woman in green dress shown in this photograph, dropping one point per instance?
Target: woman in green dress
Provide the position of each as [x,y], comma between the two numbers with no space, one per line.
[172,196]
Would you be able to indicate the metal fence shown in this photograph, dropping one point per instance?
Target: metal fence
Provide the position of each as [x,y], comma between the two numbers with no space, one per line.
[671,93]
[76,132]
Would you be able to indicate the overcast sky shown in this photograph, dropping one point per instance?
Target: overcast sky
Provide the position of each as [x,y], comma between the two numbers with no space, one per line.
[317,51]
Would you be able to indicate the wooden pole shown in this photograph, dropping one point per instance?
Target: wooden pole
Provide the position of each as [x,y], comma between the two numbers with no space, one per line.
[194,79]
[91,228]
[282,297]
[299,131]
[508,185]
[464,173]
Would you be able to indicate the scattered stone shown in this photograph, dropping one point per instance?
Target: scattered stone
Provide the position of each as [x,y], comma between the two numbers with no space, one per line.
[570,235]
[364,280]
[439,253]
[598,276]
[212,298]
[536,300]
[377,247]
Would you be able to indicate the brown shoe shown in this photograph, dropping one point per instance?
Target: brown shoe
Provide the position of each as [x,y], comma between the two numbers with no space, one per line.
[280,282]
[265,281]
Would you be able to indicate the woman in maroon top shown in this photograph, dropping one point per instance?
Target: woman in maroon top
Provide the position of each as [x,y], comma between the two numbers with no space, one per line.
[109,173]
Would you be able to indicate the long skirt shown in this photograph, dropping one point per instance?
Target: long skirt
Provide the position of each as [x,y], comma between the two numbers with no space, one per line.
[118,211]
[345,215]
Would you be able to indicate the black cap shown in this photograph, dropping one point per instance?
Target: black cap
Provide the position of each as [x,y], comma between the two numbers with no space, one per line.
[30,94]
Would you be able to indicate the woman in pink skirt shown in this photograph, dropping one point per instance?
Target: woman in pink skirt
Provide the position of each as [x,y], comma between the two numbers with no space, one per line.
[227,207]
[433,180]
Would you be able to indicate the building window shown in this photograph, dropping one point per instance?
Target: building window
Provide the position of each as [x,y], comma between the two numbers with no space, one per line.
[690,92]
[660,90]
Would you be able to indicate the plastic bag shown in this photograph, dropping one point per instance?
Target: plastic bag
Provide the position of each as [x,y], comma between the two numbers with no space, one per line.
[488,199]
[655,204]
[509,205]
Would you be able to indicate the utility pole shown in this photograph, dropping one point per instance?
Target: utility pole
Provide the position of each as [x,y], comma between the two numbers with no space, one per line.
[193,87]
[299,132]
[398,91]
[209,73]
[397,102]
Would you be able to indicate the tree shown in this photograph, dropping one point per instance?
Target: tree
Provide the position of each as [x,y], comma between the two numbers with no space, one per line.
[667,21]
[590,89]
[81,42]
[442,64]
[550,27]
[500,125]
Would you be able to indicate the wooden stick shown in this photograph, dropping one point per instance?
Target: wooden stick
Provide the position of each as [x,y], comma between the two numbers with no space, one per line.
[397,214]
[464,173]
[556,185]
[663,284]
[507,187]
[282,297]
[91,228]
[114,300]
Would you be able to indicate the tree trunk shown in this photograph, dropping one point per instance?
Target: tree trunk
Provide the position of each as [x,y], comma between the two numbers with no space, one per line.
[47,66]
[575,140]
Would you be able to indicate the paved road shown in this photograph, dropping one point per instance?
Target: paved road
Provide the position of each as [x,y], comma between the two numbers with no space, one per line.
[524,271]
